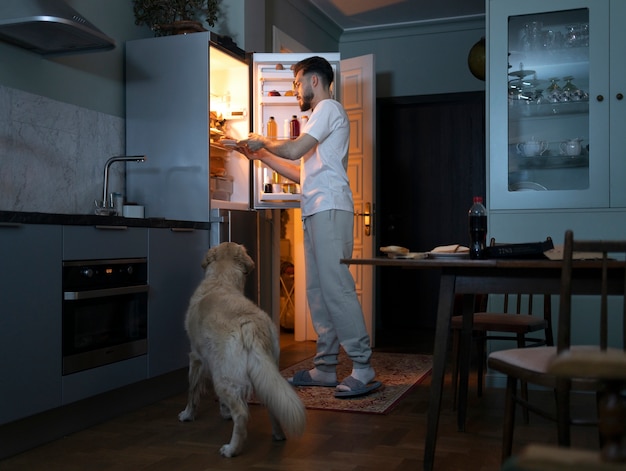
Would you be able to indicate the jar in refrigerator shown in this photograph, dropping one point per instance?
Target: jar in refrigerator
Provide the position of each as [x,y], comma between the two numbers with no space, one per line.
[294,127]
[272,128]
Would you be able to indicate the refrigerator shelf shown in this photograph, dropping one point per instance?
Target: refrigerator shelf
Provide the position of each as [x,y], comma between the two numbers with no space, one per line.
[280,196]
[272,73]
[279,100]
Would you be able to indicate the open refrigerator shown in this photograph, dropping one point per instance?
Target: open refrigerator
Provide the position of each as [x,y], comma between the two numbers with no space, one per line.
[189,98]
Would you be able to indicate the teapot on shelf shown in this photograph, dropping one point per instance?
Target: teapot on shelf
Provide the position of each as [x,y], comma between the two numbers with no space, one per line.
[532,148]
[571,147]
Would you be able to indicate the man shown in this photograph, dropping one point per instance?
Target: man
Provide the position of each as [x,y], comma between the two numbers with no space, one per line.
[318,159]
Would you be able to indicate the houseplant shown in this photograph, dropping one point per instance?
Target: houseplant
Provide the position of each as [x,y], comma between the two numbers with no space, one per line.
[166,17]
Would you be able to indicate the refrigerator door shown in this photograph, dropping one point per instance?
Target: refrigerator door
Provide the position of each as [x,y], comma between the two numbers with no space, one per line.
[178,90]
[272,95]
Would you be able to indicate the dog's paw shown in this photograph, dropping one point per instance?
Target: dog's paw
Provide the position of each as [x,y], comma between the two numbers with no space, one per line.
[228,451]
[186,416]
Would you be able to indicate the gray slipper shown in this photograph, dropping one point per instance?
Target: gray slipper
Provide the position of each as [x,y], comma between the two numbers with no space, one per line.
[357,388]
[303,378]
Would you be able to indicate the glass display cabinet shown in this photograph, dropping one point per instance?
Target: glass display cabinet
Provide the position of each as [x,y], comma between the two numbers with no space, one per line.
[555,106]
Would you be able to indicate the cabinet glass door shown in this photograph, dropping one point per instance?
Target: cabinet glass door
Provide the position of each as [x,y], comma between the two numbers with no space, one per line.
[541,118]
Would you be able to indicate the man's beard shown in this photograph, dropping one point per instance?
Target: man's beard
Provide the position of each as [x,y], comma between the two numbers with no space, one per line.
[306,101]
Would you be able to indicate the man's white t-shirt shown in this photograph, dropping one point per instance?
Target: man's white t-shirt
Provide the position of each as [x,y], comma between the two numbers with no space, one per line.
[323,176]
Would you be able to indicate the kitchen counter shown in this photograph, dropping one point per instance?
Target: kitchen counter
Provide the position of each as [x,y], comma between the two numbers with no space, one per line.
[20,217]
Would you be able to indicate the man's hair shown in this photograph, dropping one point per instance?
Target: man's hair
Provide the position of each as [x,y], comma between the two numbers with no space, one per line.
[316,65]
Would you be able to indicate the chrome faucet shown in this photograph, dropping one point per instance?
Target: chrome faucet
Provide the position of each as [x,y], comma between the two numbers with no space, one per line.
[125,158]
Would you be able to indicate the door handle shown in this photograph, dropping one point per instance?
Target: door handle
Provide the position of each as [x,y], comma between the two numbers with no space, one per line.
[367,218]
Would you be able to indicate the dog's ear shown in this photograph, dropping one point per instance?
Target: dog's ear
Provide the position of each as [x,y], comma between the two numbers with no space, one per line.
[245,260]
[209,258]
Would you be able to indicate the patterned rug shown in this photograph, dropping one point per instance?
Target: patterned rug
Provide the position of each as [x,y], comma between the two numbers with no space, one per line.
[398,372]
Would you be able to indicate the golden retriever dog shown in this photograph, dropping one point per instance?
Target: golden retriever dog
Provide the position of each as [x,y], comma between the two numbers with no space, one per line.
[235,344]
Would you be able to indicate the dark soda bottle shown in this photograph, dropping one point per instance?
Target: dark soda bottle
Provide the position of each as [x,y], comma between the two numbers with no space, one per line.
[477,229]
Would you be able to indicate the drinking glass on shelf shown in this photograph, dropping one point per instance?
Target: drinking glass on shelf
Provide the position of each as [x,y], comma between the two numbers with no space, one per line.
[554,91]
[540,98]
[570,91]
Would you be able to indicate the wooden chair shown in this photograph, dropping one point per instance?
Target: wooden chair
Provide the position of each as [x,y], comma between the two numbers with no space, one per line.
[609,369]
[511,324]
[534,365]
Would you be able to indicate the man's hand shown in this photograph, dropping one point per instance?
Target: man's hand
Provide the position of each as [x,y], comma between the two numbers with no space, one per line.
[242,146]
[254,142]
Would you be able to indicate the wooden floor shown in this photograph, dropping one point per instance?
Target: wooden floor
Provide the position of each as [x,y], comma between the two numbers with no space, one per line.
[153,439]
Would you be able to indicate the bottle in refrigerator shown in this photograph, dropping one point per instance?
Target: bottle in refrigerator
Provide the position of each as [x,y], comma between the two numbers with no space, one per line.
[286,128]
[272,128]
[294,127]
[477,228]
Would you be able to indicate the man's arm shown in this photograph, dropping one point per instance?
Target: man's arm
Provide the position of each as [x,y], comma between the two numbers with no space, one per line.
[287,168]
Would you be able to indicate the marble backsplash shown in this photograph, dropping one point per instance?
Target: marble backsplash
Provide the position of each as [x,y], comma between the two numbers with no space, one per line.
[52,154]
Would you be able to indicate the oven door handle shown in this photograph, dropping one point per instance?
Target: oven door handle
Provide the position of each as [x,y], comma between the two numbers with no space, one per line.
[103,293]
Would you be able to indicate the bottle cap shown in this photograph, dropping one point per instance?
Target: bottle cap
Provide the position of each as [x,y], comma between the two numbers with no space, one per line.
[478,199]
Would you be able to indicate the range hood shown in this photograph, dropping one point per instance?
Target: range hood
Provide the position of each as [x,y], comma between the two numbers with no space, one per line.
[49,27]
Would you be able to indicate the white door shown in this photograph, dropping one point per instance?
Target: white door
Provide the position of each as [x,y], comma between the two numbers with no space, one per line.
[358,98]
[358,95]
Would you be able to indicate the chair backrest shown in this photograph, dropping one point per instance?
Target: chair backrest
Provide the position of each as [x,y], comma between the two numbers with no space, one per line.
[609,279]
[519,297]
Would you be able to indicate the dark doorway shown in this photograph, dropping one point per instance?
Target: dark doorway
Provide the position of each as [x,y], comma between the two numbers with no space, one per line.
[430,163]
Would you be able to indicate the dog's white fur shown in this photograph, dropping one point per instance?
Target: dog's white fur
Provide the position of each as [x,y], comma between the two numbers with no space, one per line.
[235,343]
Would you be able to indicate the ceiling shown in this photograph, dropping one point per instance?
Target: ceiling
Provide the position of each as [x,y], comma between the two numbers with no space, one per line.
[353,15]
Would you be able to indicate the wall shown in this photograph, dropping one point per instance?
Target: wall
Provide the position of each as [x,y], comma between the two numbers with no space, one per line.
[303,23]
[53,154]
[421,59]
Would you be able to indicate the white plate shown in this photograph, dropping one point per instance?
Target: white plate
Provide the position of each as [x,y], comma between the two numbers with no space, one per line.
[526,186]
[448,254]
[228,142]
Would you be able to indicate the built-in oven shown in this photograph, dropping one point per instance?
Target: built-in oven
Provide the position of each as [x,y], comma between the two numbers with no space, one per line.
[105,312]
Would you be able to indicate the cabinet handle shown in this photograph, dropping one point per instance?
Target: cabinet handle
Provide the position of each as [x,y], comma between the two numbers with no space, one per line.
[600,98]
[182,229]
[102,293]
[619,96]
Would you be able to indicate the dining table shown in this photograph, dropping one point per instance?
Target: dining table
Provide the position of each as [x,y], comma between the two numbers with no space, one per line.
[460,275]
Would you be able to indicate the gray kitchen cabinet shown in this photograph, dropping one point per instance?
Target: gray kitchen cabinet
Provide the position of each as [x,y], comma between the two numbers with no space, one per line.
[555,73]
[536,53]
[174,272]
[30,319]
[99,242]
[104,241]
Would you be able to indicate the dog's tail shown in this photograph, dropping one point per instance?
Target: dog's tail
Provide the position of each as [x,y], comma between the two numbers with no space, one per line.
[276,393]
